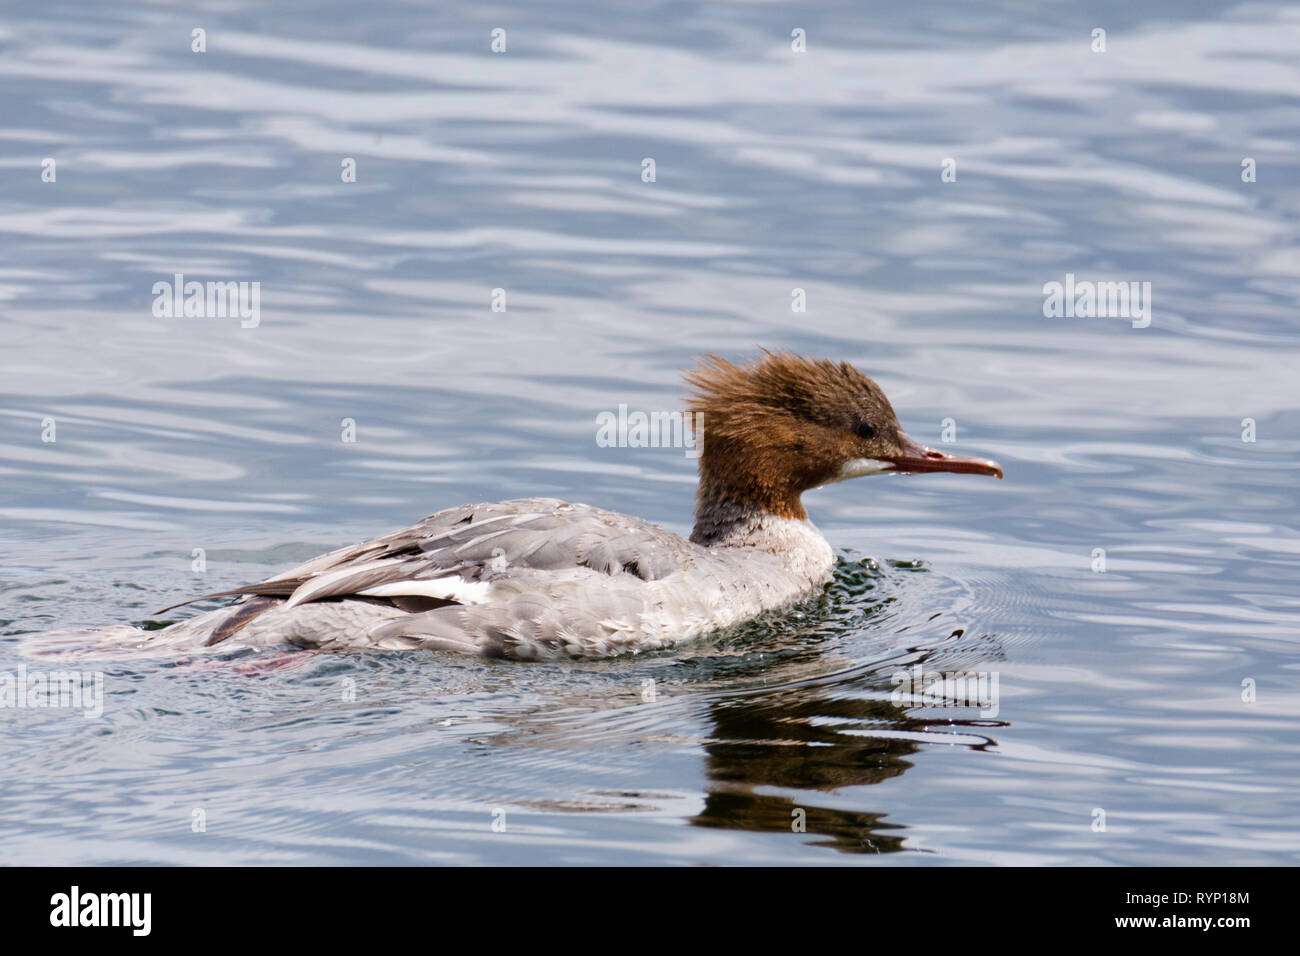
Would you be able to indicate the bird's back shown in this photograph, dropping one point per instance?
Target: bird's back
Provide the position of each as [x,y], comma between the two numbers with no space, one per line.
[528,579]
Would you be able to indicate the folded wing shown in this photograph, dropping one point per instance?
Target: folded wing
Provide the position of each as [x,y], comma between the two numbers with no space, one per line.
[516,562]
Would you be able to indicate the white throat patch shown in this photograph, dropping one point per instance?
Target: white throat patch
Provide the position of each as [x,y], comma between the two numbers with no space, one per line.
[860,468]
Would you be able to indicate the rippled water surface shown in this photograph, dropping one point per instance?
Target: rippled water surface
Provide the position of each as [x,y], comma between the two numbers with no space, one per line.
[1124,695]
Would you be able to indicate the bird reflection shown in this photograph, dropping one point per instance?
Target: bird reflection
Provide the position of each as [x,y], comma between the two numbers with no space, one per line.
[820,738]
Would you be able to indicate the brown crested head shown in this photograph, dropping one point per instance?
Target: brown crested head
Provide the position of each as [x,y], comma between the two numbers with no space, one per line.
[773,428]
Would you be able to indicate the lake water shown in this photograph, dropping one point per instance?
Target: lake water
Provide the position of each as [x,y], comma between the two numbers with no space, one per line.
[1146,713]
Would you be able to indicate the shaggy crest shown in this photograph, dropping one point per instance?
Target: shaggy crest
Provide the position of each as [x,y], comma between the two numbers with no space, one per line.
[773,428]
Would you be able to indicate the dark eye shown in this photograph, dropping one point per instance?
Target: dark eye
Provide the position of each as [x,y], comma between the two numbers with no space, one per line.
[866,430]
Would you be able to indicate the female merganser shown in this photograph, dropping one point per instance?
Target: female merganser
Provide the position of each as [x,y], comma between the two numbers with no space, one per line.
[539,578]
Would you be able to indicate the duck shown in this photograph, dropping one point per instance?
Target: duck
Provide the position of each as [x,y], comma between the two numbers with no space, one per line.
[534,579]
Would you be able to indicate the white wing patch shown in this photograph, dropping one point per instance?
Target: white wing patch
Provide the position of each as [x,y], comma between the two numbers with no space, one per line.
[448,589]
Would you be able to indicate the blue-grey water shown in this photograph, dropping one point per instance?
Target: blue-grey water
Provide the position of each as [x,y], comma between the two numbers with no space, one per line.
[1131,585]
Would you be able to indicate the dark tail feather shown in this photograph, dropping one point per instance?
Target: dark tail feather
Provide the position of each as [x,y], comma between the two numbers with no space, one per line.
[243,613]
[274,588]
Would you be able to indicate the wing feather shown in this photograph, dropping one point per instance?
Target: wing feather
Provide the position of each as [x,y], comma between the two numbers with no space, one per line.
[510,562]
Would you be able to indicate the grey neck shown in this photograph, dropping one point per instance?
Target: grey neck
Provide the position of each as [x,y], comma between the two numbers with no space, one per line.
[720,519]
[736,531]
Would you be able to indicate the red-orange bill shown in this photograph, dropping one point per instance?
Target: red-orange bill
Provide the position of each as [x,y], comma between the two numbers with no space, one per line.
[916,459]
